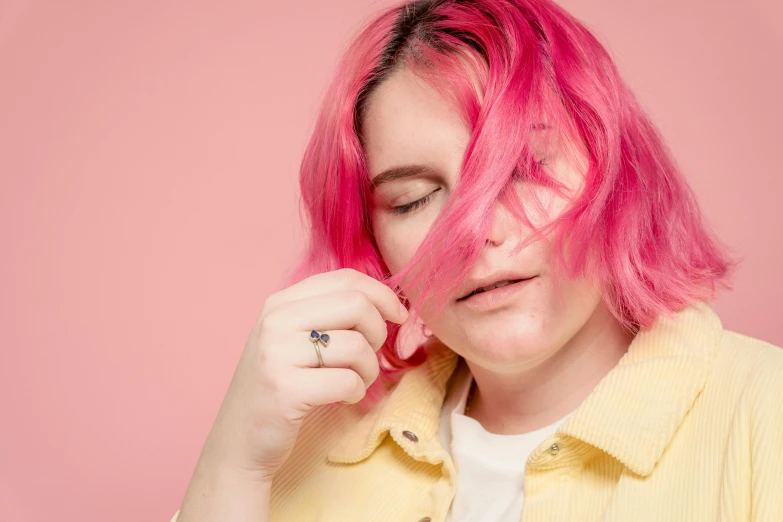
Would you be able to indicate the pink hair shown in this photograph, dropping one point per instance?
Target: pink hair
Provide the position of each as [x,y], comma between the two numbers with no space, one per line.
[635,224]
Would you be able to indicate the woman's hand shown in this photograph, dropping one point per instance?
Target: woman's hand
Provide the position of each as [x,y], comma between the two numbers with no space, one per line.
[277,380]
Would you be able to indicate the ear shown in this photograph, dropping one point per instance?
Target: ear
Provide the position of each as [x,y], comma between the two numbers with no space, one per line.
[411,335]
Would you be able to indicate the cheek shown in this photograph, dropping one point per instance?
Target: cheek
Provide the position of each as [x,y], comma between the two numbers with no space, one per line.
[580,299]
[397,240]
[541,204]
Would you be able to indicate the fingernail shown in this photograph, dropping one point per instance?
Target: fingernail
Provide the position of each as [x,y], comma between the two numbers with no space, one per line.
[403,311]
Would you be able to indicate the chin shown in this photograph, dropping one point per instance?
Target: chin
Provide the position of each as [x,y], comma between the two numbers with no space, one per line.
[518,349]
[503,345]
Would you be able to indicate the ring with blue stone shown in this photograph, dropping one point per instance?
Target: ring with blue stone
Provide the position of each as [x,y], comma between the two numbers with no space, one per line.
[321,337]
[315,338]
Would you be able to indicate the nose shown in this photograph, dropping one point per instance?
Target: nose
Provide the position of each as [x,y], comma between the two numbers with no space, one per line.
[504,227]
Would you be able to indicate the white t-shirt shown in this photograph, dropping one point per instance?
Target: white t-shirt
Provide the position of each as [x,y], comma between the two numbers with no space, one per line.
[490,467]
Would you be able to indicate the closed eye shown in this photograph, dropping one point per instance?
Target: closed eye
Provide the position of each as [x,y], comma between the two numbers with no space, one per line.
[410,207]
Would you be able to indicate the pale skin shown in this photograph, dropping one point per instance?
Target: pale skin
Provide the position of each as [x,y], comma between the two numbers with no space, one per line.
[533,360]
[277,381]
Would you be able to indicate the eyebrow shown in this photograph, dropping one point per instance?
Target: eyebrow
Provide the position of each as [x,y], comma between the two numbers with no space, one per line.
[407,171]
[391,174]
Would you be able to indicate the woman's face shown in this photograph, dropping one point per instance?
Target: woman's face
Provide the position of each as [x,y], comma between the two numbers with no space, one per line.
[408,123]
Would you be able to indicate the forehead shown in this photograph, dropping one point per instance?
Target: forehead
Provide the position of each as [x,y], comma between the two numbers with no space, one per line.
[408,121]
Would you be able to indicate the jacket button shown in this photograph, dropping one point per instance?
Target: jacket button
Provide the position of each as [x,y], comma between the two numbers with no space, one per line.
[411,436]
[426,519]
[554,448]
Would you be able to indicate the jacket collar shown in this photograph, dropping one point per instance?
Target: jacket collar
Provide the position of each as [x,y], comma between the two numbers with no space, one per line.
[413,405]
[632,414]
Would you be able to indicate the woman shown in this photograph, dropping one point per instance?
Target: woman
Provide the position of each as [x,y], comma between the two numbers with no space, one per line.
[481,175]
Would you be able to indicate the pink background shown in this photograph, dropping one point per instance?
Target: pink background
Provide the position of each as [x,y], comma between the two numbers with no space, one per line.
[148,158]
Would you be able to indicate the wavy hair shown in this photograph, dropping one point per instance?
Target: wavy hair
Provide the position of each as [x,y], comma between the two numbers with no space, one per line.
[635,224]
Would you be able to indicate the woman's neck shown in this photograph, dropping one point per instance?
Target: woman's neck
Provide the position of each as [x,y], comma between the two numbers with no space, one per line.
[512,403]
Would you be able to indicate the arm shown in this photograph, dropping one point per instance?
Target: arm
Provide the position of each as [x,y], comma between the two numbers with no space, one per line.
[217,495]
[767,438]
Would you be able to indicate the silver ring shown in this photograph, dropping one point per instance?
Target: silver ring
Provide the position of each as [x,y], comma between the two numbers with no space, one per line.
[319,338]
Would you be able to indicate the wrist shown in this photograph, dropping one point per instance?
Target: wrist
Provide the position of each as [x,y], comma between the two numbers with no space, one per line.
[222,459]
[225,493]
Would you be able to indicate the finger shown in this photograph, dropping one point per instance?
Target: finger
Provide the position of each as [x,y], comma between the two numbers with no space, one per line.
[383,297]
[346,349]
[347,310]
[318,386]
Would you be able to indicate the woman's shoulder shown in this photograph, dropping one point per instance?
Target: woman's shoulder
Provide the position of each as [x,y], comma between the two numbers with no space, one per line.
[751,369]
[754,368]
[742,354]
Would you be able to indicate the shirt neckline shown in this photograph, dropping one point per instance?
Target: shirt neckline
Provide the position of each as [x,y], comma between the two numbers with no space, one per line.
[454,408]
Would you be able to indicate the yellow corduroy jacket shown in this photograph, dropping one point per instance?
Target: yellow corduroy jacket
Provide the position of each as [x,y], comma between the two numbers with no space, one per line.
[688,426]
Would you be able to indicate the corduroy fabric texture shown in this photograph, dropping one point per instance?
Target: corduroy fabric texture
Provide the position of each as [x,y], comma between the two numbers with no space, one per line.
[688,426]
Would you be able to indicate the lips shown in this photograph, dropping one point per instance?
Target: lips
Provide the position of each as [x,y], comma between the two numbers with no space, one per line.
[491,286]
